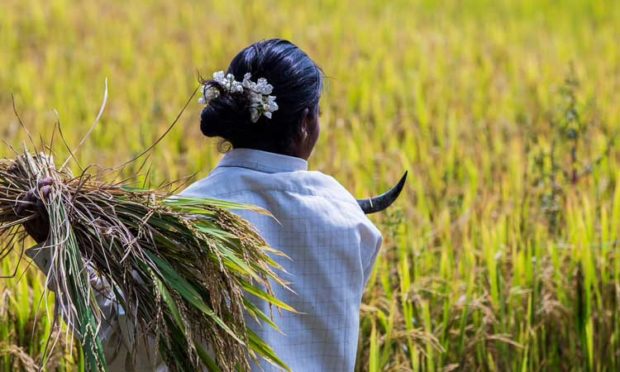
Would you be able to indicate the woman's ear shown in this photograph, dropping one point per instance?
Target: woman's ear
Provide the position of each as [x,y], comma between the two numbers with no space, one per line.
[307,134]
[306,123]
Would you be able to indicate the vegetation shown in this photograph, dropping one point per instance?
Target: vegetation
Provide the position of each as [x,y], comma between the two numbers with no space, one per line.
[502,251]
[178,266]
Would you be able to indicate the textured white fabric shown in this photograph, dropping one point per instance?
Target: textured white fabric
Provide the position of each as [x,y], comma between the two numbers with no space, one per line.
[331,247]
[331,244]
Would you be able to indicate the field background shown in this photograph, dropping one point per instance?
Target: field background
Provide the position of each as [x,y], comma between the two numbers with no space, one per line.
[502,253]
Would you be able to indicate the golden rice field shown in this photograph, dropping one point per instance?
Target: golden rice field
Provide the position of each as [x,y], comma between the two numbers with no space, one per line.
[503,251]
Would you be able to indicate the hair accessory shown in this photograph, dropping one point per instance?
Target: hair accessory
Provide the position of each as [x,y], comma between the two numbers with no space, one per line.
[262,103]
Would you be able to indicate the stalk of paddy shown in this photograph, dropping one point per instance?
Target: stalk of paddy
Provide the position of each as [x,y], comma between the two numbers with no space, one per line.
[179,267]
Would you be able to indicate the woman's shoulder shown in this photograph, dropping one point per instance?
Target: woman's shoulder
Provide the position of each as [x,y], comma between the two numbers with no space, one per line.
[331,185]
[311,194]
[222,182]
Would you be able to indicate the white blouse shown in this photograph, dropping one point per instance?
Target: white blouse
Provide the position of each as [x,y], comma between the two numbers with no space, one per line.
[331,247]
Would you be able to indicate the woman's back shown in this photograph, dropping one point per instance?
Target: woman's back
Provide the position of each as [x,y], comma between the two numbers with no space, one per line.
[330,244]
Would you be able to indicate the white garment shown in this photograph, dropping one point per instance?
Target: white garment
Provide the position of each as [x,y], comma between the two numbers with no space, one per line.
[331,246]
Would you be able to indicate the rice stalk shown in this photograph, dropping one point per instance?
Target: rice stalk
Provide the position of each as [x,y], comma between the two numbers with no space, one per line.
[179,267]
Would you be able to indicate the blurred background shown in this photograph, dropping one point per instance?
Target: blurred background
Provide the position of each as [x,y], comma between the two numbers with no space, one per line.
[502,252]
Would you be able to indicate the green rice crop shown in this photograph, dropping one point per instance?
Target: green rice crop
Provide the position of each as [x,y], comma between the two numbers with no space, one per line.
[496,257]
[179,267]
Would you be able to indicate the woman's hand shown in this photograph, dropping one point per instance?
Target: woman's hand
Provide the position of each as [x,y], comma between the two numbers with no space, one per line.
[32,203]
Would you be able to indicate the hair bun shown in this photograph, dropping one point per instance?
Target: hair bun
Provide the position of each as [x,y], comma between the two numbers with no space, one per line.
[224,115]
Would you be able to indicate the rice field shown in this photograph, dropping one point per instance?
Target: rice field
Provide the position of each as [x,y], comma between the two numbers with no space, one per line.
[503,251]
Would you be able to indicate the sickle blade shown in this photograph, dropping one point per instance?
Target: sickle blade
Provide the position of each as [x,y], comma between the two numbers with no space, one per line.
[381,202]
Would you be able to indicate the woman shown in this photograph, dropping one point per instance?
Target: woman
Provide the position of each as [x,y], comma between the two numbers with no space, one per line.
[266,108]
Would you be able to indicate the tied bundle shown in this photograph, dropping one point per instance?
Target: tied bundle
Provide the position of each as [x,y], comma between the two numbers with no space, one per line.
[180,268]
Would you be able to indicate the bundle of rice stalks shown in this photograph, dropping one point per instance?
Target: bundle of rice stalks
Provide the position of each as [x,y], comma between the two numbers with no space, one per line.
[180,268]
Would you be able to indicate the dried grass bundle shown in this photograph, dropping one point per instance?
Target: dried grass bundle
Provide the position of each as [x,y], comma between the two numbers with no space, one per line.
[179,267]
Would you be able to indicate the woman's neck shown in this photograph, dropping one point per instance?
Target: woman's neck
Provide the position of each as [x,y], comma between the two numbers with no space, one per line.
[289,152]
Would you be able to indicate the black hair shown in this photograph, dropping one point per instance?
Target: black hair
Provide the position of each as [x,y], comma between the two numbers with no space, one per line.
[297,84]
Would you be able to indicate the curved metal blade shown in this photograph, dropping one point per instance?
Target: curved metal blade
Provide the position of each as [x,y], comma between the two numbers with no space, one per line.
[381,202]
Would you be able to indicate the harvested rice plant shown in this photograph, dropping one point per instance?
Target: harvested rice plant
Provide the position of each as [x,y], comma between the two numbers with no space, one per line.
[502,252]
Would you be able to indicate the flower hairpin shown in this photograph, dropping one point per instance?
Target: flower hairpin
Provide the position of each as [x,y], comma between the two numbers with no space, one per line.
[262,103]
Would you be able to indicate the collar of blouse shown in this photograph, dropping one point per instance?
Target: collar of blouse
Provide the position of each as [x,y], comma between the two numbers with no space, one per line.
[263,161]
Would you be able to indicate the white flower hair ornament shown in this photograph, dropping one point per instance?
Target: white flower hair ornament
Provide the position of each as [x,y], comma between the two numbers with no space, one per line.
[262,103]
